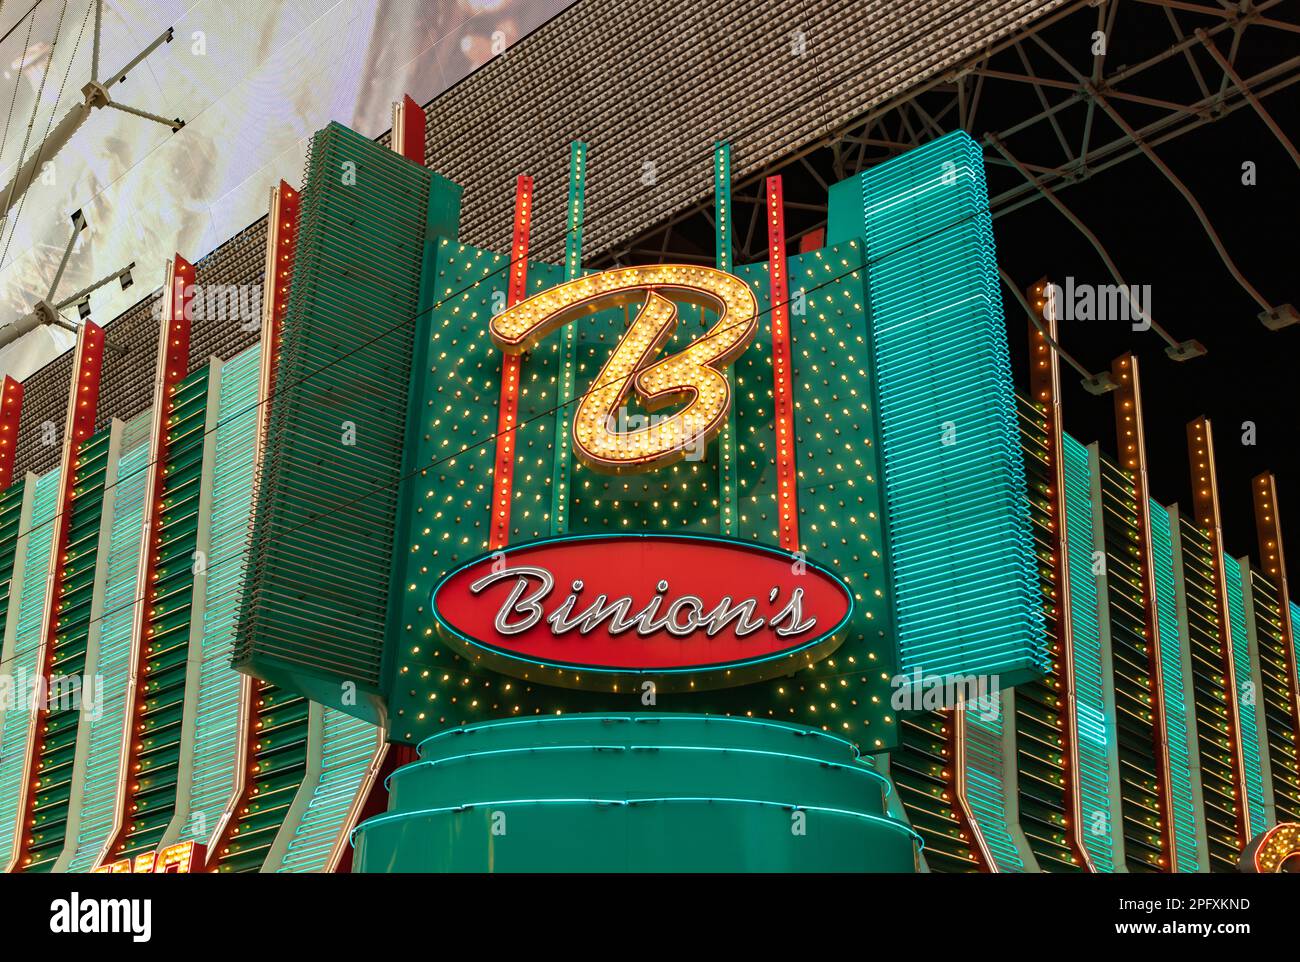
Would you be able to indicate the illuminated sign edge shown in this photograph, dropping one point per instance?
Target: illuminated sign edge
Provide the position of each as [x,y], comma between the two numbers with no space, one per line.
[830,638]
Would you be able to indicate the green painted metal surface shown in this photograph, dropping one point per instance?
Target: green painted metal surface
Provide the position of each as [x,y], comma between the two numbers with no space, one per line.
[347,751]
[963,566]
[921,769]
[165,658]
[613,793]
[1096,739]
[320,560]
[1042,707]
[20,656]
[11,510]
[728,487]
[1276,697]
[217,722]
[277,774]
[104,754]
[1214,742]
[1132,680]
[1173,642]
[1247,695]
[52,800]
[840,497]
[986,791]
[568,343]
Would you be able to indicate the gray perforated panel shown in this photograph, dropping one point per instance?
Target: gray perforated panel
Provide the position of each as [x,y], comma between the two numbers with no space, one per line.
[649,86]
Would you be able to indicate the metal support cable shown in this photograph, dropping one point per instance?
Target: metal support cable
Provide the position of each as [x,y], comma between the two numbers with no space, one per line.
[137,112]
[90,288]
[1056,202]
[1061,352]
[1249,94]
[36,160]
[94,53]
[1188,196]
[77,224]
[22,65]
[36,106]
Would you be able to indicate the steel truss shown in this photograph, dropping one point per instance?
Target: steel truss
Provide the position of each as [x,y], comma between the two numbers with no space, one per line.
[1048,118]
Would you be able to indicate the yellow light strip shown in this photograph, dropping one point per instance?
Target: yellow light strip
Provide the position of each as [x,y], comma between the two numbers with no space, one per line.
[692,376]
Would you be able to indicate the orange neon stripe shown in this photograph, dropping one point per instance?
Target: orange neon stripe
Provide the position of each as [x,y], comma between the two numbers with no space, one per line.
[508,409]
[782,374]
[1205,500]
[11,406]
[83,404]
[1045,390]
[173,365]
[1132,444]
[1268,525]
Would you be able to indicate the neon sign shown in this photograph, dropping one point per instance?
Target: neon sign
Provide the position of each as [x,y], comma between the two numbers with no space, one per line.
[694,375]
[181,858]
[611,612]
[1275,851]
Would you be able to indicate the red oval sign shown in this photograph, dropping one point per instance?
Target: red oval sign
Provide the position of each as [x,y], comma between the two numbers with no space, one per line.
[599,611]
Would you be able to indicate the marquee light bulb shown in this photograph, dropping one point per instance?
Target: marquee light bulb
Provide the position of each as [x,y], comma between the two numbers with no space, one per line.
[693,375]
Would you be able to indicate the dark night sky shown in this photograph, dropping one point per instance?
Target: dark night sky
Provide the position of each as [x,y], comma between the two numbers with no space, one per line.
[1153,235]
[1250,373]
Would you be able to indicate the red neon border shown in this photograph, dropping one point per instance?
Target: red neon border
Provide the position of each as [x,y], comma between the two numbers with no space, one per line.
[284,214]
[782,373]
[411,116]
[173,365]
[508,409]
[11,406]
[83,404]
[287,207]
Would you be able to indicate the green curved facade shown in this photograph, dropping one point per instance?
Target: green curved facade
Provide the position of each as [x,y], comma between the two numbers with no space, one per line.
[615,793]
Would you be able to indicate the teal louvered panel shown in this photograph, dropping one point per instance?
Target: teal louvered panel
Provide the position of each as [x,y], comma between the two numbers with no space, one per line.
[11,512]
[217,720]
[164,653]
[21,665]
[985,782]
[67,652]
[348,748]
[1173,644]
[121,595]
[966,581]
[1094,741]
[1247,696]
[1295,639]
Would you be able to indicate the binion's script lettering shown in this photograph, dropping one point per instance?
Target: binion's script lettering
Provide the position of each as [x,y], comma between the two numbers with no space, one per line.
[681,617]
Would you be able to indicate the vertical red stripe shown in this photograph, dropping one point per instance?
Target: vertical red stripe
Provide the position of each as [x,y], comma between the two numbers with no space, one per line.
[176,355]
[84,403]
[11,406]
[288,202]
[412,131]
[813,240]
[508,409]
[782,375]
[286,205]
[173,365]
